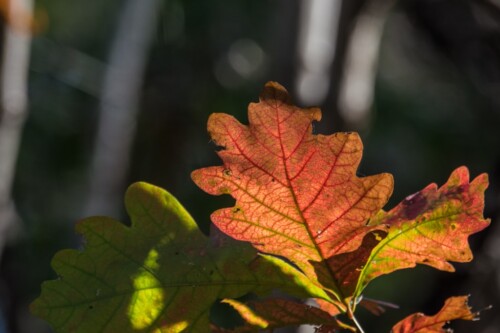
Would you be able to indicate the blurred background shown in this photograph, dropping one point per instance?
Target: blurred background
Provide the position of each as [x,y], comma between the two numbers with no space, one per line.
[95,95]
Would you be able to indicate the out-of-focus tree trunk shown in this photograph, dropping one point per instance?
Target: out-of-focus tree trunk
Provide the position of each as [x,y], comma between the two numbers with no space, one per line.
[319,23]
[14,101]
[357,85]
[13,112]
[119,105]
[338,55]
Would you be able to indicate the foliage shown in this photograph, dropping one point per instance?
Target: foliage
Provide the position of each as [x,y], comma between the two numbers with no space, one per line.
[317,231]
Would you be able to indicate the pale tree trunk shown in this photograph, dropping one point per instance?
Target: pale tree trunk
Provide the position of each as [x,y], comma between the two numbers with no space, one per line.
[14,100]
[338,49]
[119,106]
[317,42]
[361,62]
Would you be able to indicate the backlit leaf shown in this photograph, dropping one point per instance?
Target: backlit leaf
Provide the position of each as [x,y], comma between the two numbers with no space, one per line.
[430,227]
[297,193]
[160,274]
[454,308]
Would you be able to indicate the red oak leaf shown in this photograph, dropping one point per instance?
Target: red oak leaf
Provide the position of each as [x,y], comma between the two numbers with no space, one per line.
[454,308]
[297,193]
[430,227]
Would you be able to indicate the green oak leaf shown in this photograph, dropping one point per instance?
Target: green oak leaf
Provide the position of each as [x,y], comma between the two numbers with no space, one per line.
[161,274]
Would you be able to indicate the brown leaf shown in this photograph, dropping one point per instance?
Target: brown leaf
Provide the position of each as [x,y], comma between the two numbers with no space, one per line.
[454,308]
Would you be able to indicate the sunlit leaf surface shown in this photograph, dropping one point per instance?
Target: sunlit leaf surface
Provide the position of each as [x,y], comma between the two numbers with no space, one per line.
[160,274]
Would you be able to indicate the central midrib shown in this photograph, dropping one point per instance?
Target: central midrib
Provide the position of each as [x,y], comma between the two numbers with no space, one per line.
[303,219]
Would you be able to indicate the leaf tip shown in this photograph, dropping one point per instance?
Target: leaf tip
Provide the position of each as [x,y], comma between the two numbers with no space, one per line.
[481,182]
[212,180]
[314,113]
[273,91]
[135,190]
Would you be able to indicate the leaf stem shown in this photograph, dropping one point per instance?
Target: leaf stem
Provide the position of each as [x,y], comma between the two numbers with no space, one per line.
[358,326]
[353,317]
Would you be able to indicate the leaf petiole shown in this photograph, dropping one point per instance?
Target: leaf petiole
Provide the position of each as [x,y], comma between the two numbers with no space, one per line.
[358,325]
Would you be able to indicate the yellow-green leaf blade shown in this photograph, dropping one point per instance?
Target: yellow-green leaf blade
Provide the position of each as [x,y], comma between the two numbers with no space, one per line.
[161,273]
